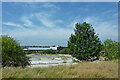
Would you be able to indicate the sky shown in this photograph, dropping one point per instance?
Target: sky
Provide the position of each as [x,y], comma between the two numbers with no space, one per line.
[52,23]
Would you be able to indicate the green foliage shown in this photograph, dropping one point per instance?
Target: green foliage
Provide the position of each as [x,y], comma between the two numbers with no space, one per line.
[84,44]
[28,52]
[57,52]
[65,51]
[111,49]
[48,51]
[12,53]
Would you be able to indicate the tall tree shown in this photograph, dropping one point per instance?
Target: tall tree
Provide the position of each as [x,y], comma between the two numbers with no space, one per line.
[84,44]
[12,53]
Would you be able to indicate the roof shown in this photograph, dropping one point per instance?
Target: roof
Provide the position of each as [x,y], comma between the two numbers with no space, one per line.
[39,48]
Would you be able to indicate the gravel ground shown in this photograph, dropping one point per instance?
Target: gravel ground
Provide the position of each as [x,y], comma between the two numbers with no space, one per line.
[38,60]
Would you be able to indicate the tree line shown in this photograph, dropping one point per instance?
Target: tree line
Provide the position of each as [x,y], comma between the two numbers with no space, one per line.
[84,44]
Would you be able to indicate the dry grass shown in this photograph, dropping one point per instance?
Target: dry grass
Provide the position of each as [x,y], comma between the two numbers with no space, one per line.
[82,70]
[0,73]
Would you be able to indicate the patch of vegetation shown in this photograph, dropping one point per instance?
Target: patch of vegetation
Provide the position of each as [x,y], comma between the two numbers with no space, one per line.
[75,60]
[65,51]
[12,53]
[0,73]
[111,49]
[108,69]
[48,51]
[28,52]
[64,58]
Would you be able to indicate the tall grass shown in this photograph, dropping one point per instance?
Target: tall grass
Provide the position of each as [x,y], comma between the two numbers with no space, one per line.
[108,69]
[0,73]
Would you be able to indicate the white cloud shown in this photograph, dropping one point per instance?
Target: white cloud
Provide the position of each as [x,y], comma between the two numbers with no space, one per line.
[42,32]
[59,21]
[107,12]
[49,5]
[49,30]
[90,19]
[26,21]
[12,24]
[44,18]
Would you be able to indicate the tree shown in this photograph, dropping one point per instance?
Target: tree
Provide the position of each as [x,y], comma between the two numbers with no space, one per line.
[84,44]
[65,51]
[12,53]
[111,49]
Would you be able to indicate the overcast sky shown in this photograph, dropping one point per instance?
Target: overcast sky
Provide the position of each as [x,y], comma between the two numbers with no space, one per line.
[52,23]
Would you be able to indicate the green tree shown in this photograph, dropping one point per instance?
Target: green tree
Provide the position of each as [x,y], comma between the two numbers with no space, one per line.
[12,53]
[111,48]
[65,51]
[84,44]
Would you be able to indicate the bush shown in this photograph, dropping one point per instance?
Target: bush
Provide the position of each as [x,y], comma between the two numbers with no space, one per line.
[48,51]
[111,49]
[65,51]
[28,52]
[12,53]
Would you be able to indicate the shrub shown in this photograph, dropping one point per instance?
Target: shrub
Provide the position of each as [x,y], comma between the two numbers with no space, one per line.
[48,51]
[111,49]
[65,51]
[12,53]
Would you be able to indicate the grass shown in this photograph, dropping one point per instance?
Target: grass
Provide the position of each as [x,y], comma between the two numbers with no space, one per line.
[0,73]
[108,69]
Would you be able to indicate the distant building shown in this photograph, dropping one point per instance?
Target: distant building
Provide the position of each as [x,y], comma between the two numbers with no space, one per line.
[41,48]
